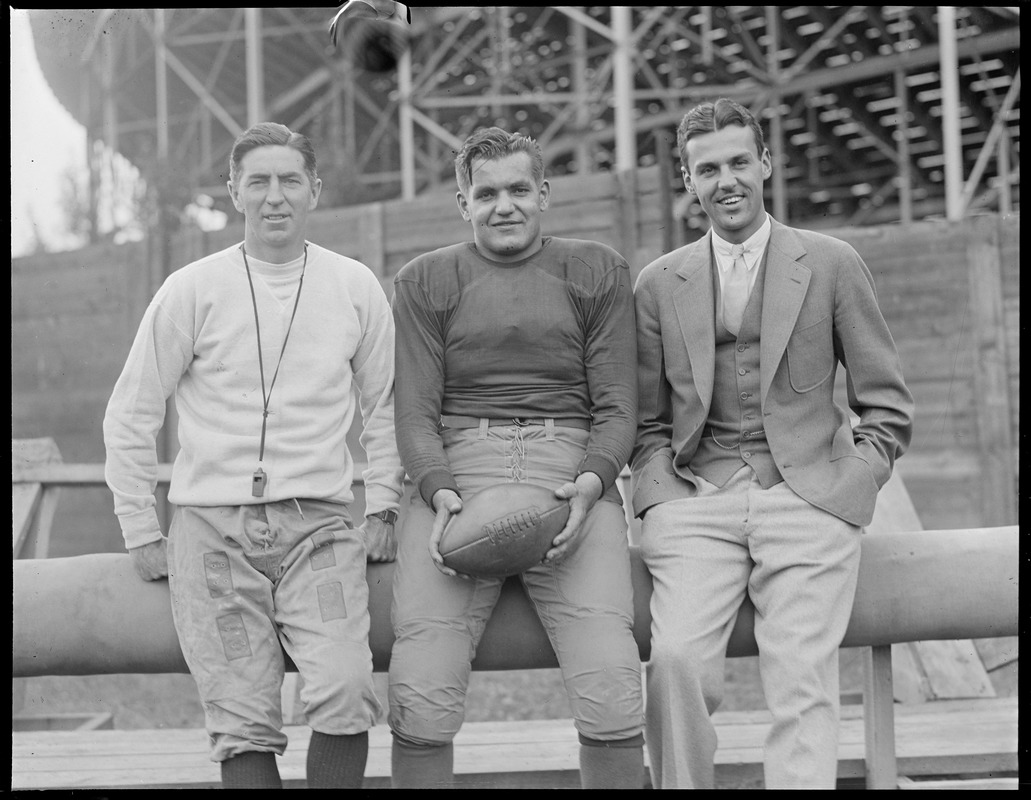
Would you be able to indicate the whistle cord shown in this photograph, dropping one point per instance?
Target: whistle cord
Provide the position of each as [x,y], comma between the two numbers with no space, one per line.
[257,328]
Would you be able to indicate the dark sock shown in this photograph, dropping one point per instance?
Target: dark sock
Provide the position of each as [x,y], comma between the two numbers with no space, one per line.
[337,762]
[612,765]
[414,766]
[251,770]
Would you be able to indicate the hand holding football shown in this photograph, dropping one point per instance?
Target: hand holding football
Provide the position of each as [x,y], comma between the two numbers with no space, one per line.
[503,530]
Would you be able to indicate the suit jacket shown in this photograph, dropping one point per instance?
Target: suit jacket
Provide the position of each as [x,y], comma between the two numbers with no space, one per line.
[819,309]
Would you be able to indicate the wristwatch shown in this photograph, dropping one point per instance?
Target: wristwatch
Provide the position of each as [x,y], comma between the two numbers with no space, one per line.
[389,517]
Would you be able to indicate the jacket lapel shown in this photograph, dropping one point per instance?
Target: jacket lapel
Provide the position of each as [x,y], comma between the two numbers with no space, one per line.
[695,306]
[785,289]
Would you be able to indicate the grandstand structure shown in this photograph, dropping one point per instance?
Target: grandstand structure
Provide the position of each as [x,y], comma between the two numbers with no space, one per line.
[874,114]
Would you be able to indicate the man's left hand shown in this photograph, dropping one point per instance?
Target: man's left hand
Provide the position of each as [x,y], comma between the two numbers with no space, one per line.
[380,541]
[582,494]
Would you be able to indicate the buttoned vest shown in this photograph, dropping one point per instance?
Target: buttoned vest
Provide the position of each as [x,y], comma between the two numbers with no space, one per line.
[733,434]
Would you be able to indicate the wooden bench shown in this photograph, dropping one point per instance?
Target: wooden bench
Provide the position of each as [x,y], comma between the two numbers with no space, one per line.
[942,738]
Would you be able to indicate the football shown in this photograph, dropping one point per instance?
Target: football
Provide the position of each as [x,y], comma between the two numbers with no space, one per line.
[503,530]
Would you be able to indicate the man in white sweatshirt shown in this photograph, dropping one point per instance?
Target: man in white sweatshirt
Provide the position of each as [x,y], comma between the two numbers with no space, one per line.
[263,344]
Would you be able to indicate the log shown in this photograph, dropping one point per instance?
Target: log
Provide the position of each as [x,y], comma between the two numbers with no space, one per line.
[91,614]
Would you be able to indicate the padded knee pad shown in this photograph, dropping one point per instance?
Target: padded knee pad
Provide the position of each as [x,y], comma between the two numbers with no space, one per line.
[429,675]
[602,673]
[633,741]
[417,744]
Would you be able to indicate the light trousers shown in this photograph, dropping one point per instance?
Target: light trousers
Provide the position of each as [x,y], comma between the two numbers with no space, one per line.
[248,582]
[585,602]
[799,566]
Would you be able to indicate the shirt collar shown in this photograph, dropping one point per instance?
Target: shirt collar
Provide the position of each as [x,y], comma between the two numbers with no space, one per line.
[754,244]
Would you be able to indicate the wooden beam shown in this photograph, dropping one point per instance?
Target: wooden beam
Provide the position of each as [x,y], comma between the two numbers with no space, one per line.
[879,719]
[995,135]
[579,16]
[92,615]
[927,55]
[161,84]
[825,41]
[992,410]
[33,503]
[207,98]
[255,67]
[623,90]
[80,475]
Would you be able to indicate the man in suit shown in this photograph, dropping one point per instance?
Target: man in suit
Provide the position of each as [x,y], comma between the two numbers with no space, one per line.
[747,476]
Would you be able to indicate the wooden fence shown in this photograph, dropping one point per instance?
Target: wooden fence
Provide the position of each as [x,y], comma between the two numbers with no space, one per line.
[950,293]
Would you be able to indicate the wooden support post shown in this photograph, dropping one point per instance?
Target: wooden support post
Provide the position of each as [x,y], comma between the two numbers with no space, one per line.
[33,503]
[255,66]
[991,399]
[623,90]
[372,246]
[779,182]
[905,176]
[406,124]
[581,85]
[626,199]
[664,158]
[879,720]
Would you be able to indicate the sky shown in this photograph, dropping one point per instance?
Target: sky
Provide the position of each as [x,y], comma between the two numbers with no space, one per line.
[45,142]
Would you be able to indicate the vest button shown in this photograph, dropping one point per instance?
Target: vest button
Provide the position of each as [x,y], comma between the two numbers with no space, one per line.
[744,395]
[742,347]
[742,371]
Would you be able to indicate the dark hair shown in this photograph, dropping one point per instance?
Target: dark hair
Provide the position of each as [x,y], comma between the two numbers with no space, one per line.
[493,143]
[264,134]
[714,116]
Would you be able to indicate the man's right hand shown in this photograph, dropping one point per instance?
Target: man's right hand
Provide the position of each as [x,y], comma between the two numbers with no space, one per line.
[150,560]
[447,503]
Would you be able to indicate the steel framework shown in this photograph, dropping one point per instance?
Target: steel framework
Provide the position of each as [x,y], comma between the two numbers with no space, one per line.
[873,113]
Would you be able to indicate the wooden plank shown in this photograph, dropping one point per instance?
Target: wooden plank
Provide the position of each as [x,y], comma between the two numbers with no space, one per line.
[33,504]
[1006,679]
[45,520]
[78,285]
[941,466]
[939,738]
[72,474]
[998,652]
[972,785]
[954,669]
[65,721]
[909,683]
[879,720]
[995,445]
[370,231]
[42,450]
[25,501]
[627,219]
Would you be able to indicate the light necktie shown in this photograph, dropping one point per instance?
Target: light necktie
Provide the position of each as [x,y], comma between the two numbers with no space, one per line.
[735,290]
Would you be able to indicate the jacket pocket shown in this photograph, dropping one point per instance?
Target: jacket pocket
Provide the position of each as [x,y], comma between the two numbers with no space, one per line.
[810,355]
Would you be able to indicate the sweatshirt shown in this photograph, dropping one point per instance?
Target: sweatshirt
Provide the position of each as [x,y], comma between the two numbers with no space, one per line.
[552,335]
[198,340]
